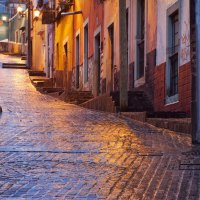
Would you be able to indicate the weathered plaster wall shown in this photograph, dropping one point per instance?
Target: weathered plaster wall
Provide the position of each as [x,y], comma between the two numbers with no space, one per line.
[38,35]
[185,32]
[162,6]
[184,79]
[150,42]
[151,26]
[50,36]
[15,23]
[92,14]
[63,34]
[111,16]
[67,28]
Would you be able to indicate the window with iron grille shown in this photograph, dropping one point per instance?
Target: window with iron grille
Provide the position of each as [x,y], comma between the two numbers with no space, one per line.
[140,37]
[173,54]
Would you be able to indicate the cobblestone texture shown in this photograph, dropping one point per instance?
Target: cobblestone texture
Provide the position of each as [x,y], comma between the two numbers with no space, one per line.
[53,150]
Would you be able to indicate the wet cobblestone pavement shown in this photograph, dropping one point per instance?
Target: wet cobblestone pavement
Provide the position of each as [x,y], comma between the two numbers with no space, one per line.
[53,150]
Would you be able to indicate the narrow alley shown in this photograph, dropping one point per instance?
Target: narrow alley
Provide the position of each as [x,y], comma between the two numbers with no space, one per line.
[53,150]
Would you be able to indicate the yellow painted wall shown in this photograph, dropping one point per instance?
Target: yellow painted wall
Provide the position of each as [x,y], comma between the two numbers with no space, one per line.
[38,45]
[64,33]
[66,30]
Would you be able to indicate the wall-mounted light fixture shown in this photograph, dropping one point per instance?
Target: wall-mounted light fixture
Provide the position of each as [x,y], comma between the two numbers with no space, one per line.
[36,14]
[4,18]
[21,11]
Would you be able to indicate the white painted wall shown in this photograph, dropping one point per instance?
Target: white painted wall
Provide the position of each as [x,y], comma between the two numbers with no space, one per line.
[162,6]
[185,32]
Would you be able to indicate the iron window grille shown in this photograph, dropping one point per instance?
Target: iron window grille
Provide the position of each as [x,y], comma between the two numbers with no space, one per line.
[173,54]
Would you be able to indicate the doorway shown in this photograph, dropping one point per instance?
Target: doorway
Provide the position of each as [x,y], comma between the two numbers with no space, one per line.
[65,65]
[98,61]
[86,39]
[77,61]
[111,54]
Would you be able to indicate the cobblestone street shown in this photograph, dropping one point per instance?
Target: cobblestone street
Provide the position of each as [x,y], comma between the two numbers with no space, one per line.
[53,150]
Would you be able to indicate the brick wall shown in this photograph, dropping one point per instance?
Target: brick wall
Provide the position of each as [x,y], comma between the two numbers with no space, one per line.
[184,103]
[131,76]
[149,74]
[159,87]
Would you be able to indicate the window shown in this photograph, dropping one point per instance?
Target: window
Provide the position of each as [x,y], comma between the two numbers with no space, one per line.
[140,37]
[86,53]
[127,30]
[111,54]
[174,56]
[173,45]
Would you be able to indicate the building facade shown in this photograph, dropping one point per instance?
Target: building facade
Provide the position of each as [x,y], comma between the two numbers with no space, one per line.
[173,69]
[84,49]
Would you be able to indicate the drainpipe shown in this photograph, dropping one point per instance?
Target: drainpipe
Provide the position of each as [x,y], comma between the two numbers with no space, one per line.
[195,62]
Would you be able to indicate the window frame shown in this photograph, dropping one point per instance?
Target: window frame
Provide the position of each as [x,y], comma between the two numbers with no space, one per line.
[172,53]
[86,68]
[139,81]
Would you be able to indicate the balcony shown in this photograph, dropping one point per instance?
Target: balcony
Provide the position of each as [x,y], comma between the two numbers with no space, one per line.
[65,5]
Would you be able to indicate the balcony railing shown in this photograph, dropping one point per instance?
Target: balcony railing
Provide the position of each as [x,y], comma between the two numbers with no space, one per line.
[65,5]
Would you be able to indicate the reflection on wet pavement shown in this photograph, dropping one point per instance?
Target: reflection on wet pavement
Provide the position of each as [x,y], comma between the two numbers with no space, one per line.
[50,149]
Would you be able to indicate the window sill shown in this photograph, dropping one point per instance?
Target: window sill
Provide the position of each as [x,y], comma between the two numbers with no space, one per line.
[171,100]
[139,82]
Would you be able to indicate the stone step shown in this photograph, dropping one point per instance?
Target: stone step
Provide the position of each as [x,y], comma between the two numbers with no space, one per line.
[36,73]
[137,101]
[167,115]
[78,96]
[23,58]
[14,66]
[102,103]
[39,83]
[182,125]
[52,90]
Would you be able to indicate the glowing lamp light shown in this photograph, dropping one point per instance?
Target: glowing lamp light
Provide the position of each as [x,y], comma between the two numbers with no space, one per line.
[36,14]
[19,9]
[4,18]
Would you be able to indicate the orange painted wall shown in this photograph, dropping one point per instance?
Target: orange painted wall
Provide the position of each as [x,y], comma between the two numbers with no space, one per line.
[111,16]
[67,29]
[93,11]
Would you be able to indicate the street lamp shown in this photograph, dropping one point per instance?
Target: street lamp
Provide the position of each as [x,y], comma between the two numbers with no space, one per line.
[4,18]
[36,14]
[19,9]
